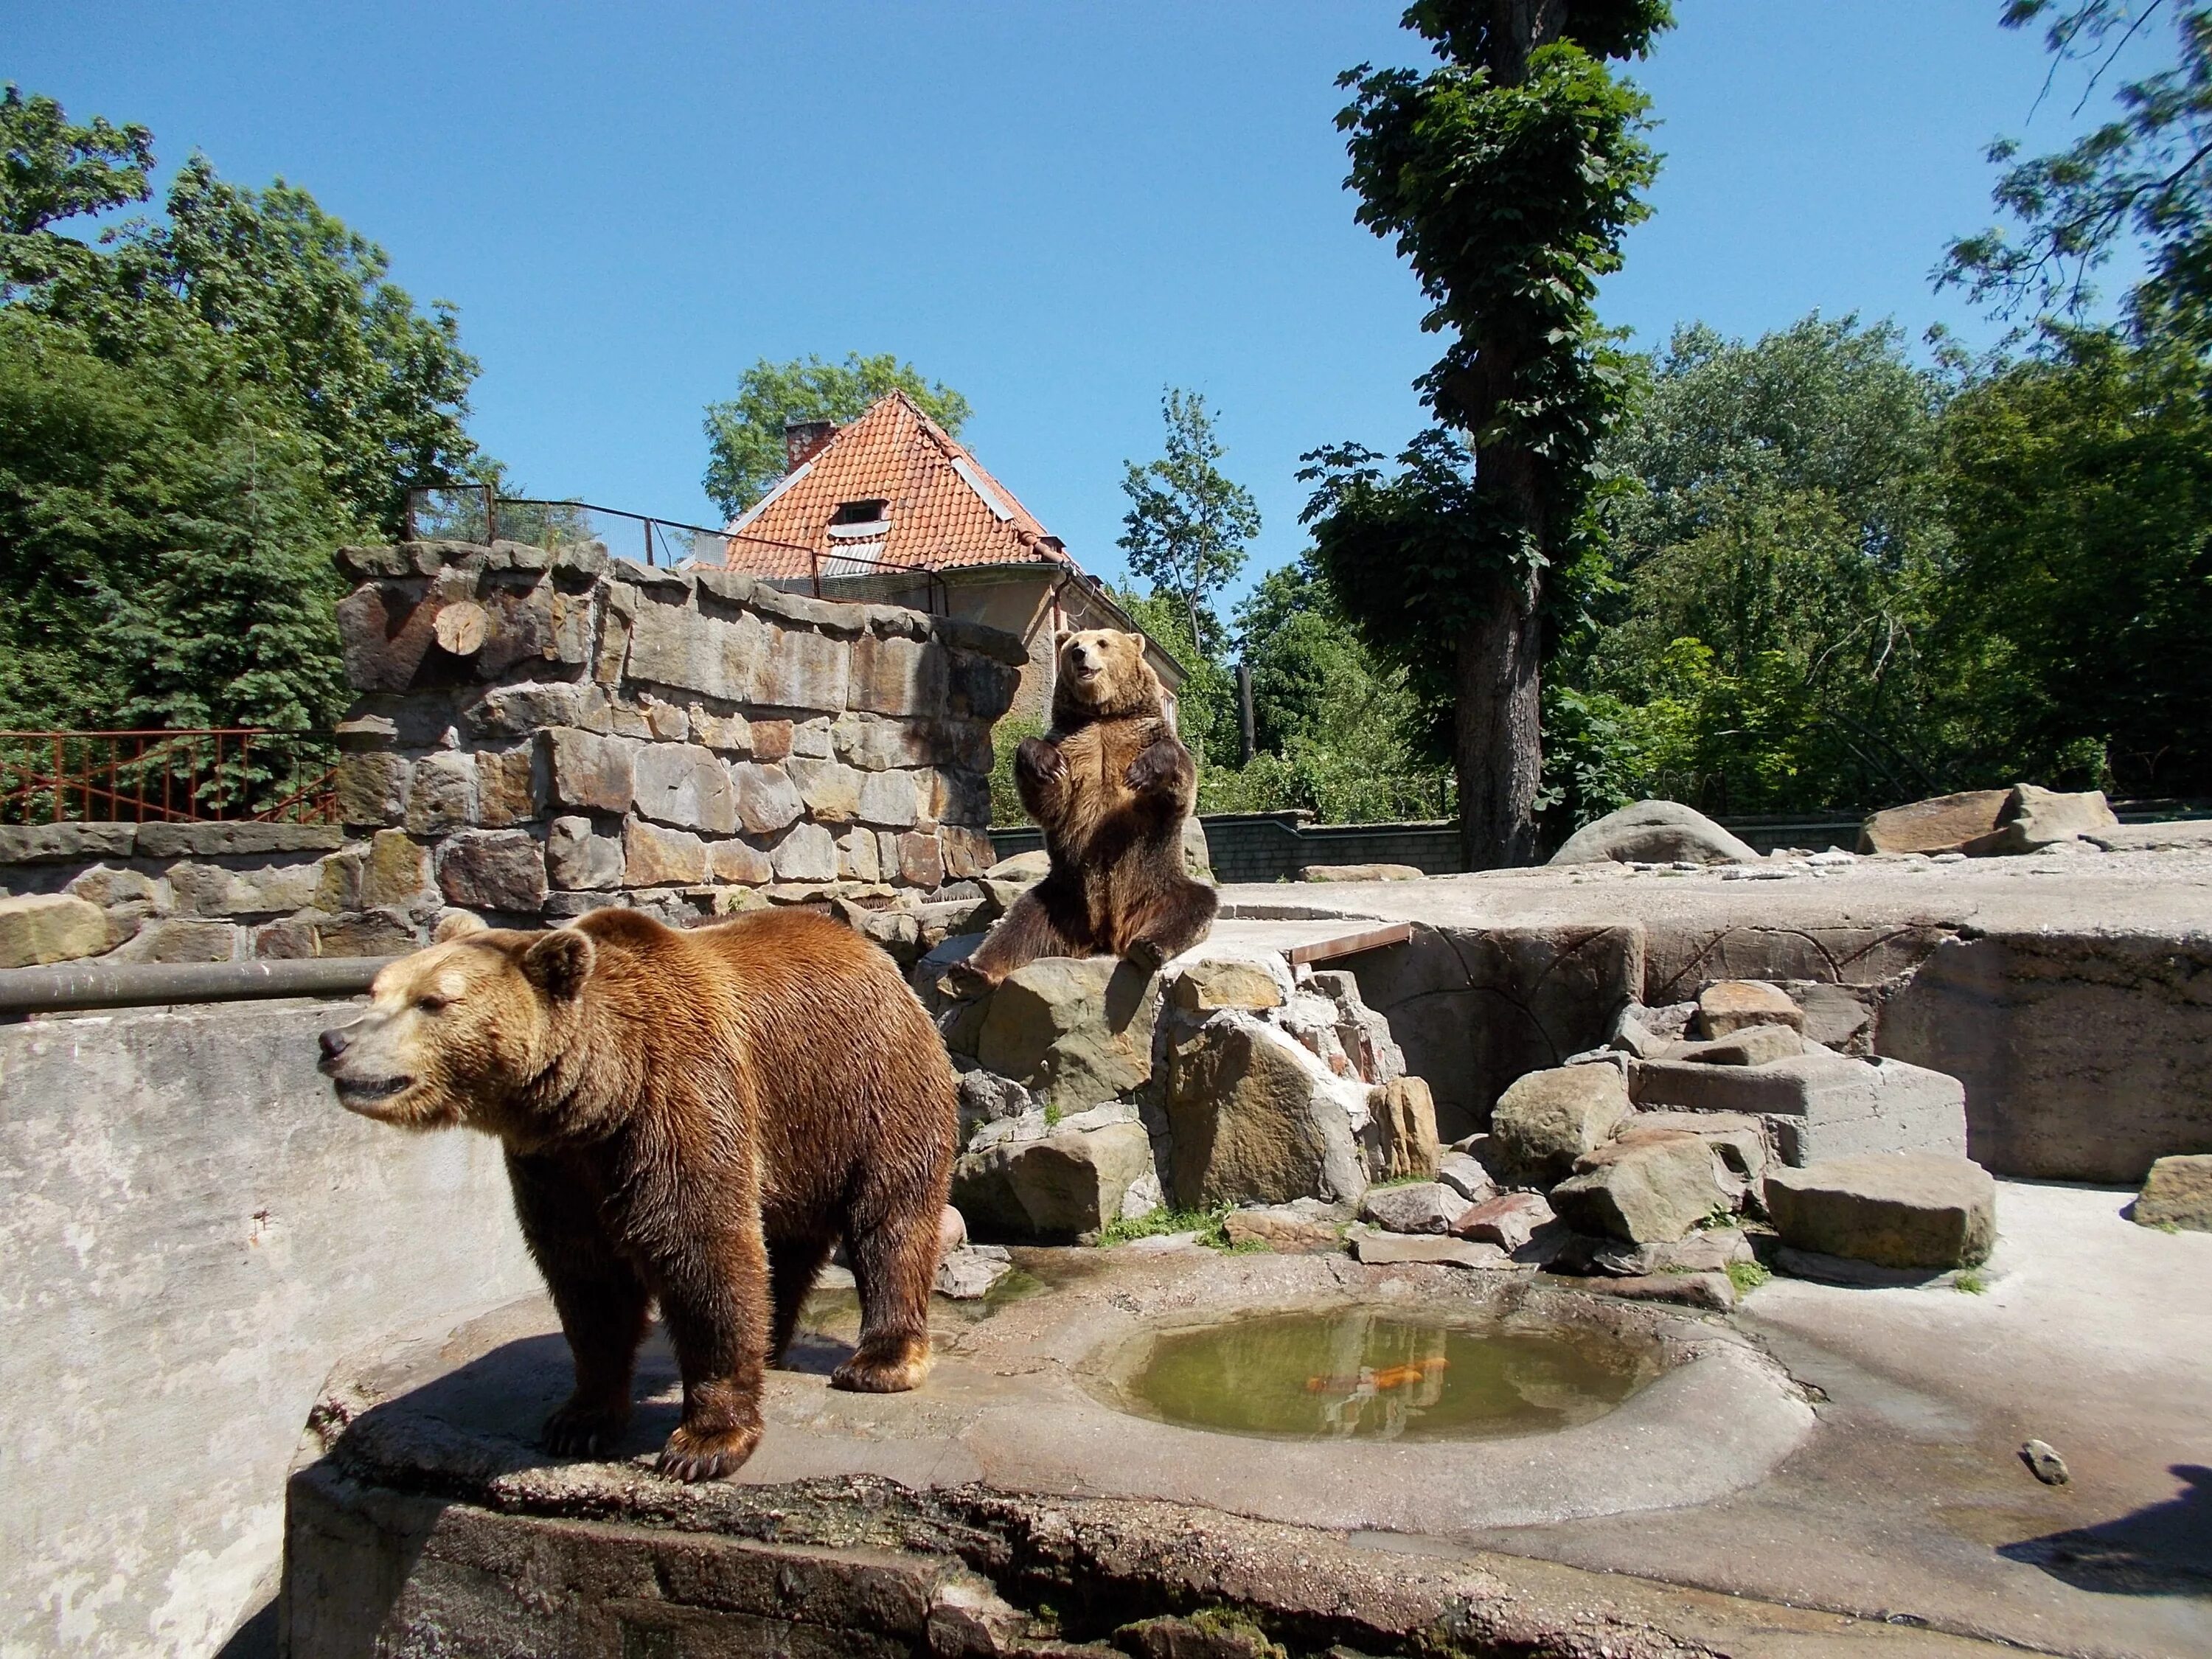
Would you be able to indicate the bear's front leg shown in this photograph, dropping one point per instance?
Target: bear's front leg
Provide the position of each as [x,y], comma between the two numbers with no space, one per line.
[715,1300]
[1041,779]
[598,1294]
[1162,769]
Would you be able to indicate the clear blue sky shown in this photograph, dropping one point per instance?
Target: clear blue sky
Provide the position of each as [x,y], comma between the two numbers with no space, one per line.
[1057,207]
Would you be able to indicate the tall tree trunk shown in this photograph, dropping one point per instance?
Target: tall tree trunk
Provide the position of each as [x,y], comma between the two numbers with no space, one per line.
[1498,752]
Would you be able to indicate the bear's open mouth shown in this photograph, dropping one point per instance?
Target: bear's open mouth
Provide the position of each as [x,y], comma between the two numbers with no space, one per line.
[367,1091]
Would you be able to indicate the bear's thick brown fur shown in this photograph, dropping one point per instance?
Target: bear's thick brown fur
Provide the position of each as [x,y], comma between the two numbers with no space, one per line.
[1110,784]
[691,1117]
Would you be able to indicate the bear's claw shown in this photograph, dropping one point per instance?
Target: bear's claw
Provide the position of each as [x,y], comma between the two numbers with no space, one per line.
[693,1454]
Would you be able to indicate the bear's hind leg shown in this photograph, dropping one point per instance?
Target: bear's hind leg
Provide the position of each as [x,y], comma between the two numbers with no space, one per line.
[894,1266]
[793,1265]
[1027,933]
[1175,921]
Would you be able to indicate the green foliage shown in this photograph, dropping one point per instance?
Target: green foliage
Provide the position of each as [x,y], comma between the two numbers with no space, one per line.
[1008,735]
[2079,490]
[1971,1283]
[1187,524]
[197,409]
[2146,174]
[1210,1225]
[1747,1276]
[745,435]
[165,540]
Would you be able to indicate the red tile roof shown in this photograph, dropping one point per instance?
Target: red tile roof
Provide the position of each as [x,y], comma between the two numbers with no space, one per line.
[943,510]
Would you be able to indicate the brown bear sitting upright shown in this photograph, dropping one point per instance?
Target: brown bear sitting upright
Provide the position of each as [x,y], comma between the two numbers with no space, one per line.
[1111,785]
[692,1117]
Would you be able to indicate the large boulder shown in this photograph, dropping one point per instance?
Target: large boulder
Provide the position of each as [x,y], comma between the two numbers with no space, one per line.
[1943,823]
[2177,1192]
[1728,1005]
[1402,1133]
[41,927]
[1258,1119]
[2034,818]
[1074,1178]
[1508,1220]
[1072,1032]
[1654,832]
[1898,1210]
[1651,1187]
[1548,1119]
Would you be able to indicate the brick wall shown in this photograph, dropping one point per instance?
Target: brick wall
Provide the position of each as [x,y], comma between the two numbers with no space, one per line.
[541,734]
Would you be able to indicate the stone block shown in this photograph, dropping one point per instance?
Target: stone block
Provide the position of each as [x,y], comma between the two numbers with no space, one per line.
[890,798]
[1944,824]
[1728,1005]
[1714,1292]
[685,785]
[1753,1045]
[1897,1210]
[1419,1206]
[1073,1179]
[798,668]
[2177,1193]
[372,787]
[807,853]
[1738,1141]
[895,676]
[1508,1220]
[1818,1105]
[578,860]
[771,739]
[507,787]
[1650,1188]
[979,688]
[1224,978]
[492,870]
[1402,1133]
[811,739]
[1073,1033]
[381,933]
[443,796]
[920,860]
[740,863]
[1385,1249]
[588,772]
[104,885]
[249,839]
[664,722]
[1465,1175]
[1307,1227]
[1361,872]
[1549,1119]
[522,711]
[857,856]
[729,734]
[966,1272]
[876,743]
[63,843]
[673,645]
[831,789]
[967,851]
[212,890]
[1709,1252]
[1258,1120]
[42,927]
[2034,818]
[181,939]
[654,857]
[767,799]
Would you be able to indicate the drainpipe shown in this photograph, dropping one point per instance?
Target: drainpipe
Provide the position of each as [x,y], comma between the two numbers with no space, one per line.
[153,984]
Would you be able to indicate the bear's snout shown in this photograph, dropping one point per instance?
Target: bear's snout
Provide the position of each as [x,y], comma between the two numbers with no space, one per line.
[333,1043]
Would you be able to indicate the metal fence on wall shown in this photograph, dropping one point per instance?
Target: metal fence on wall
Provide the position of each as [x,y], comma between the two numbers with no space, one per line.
[479,514]
[211,775]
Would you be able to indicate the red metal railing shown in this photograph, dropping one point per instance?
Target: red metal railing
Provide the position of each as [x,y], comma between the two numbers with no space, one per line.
[226,773]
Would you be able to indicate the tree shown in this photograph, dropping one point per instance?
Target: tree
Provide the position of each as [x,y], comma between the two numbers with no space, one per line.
[1188,525]
[381,388]
[1507,178]
[2145,174]
[745,435]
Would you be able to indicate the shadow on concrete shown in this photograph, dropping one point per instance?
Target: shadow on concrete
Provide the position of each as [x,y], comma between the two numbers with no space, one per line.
[2163,1550]
[256,1639]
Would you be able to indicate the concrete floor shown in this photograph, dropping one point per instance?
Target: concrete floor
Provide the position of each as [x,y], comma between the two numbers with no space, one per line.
[1904,1506]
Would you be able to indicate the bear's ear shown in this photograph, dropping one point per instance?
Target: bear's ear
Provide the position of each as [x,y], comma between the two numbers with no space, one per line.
[559,963]
[457,925]
[1060,639]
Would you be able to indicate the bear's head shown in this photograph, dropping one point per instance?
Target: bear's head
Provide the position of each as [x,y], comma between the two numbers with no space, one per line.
[1103,674]
[459,1033]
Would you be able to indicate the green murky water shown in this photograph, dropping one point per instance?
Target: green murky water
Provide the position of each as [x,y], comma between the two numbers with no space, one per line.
[1384,1375]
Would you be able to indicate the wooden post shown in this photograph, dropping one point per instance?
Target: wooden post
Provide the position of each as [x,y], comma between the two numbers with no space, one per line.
[1244,711]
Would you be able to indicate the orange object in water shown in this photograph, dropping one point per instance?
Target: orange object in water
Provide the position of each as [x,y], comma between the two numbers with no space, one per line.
[1393,1376]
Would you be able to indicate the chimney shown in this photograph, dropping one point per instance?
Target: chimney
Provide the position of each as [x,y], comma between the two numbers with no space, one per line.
[803,442]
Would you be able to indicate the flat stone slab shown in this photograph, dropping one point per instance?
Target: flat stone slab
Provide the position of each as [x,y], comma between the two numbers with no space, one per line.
[1907,1210]
[1819,1104]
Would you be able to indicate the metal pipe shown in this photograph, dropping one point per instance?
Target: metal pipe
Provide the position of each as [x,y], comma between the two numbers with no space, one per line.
[151,984]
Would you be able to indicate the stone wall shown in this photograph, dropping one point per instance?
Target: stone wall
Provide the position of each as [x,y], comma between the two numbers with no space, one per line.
[543,734]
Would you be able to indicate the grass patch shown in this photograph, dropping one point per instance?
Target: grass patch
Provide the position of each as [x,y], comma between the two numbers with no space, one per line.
[1210,1226]
[1052,1115]
[1971,1283]
[1747,1276]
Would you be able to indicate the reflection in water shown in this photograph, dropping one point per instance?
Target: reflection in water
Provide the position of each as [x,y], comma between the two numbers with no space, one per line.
[1361,1372]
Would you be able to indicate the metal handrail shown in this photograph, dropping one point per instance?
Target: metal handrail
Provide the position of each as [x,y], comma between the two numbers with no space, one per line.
[162,779]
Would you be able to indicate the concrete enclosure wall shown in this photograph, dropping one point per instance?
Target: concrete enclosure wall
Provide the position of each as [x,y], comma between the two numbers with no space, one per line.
[191,1234]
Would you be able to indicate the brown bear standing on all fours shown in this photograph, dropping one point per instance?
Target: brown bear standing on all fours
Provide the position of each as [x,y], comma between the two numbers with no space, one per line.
[1111,784]
[692,1117]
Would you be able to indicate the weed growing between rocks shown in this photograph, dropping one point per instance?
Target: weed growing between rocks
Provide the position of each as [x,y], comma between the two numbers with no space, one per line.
[1747,1276]
[1970,1284]
[1206,1227]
